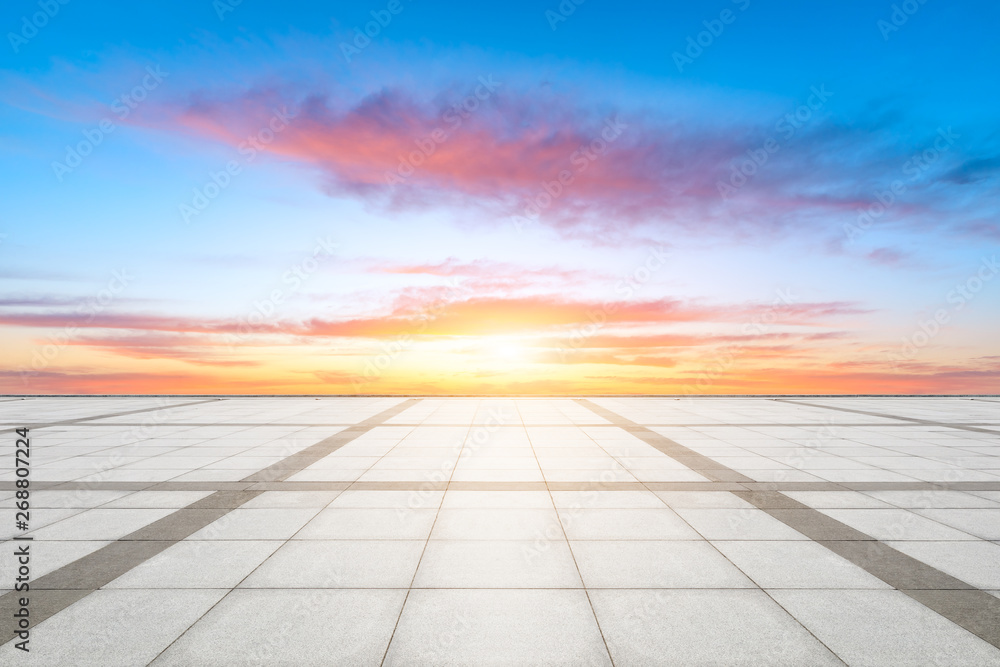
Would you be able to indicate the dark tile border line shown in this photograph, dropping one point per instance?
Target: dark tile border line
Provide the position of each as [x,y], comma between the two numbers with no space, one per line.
[912,420]
[963,604]
[68,422]
[53,592]
[507,485]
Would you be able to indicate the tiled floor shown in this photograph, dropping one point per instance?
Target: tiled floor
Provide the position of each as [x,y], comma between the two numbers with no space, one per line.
[500,531]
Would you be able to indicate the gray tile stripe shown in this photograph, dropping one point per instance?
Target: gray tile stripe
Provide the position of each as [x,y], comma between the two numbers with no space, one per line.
[912,420]
[513,485]
[287,467]
[701,464]
[976,611]
[55,591]
[86,575]
[81,420]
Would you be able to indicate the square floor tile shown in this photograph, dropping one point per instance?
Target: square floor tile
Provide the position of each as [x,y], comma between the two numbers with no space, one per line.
[896,524]
[46,556]
[773,564]
[885,628]
[496,524]
[703,627]
[105,630]
[494,627]
[291,499]
[339,564]
[158,499]
[738,524]
[101,524]
[976,563]
[411,499]
[984,523]
[341,523]
[290,628]
[461,499]
[256,524]
[607,499]
[703,499]
[625,524]
[655,564]
[497,564]
[198,564]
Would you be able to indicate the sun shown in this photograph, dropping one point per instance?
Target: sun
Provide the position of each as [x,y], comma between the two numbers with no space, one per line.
[504,349]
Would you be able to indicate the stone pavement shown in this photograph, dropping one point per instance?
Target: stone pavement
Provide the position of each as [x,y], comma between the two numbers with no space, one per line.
[500,531]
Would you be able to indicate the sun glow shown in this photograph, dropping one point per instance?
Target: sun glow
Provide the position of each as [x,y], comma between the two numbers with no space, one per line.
[504,349]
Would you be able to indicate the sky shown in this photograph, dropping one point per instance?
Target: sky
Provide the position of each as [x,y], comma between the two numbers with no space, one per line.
[576,197]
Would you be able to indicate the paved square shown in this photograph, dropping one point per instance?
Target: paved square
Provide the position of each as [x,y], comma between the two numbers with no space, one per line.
[498,531]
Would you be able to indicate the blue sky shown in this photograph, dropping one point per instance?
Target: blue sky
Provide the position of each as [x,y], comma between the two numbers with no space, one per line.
[478,290]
